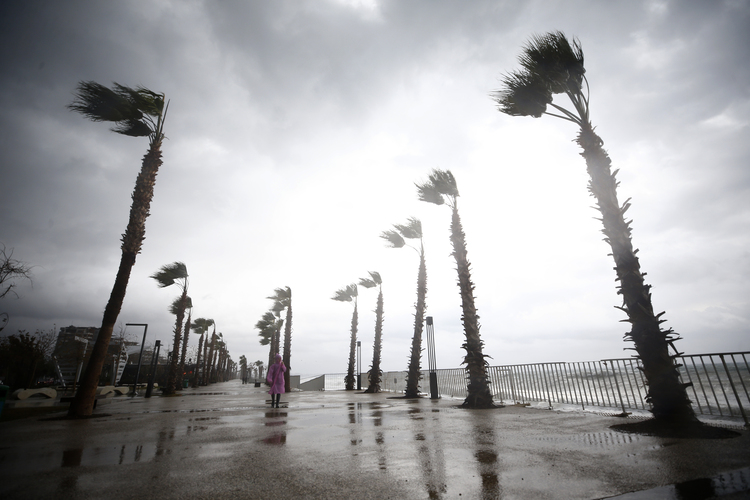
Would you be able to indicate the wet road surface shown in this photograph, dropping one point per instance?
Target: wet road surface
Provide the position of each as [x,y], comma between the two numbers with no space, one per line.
[226,442]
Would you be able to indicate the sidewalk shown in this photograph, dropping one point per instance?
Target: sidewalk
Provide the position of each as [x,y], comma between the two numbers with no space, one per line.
[225,442]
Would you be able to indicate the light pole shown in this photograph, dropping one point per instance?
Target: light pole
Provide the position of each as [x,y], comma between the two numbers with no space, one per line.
[359,364]
[431,359]
[154,367]
[140,356]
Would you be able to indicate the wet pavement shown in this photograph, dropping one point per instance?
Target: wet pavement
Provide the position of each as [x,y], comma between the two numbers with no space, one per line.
[226,442]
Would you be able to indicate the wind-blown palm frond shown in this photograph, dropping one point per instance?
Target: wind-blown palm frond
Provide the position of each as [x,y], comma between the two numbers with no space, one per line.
[282,295]
[176,305]
[373,281]
[411,230]
[345,294]
[555,60]
[440,184]
[393,238]
[523,95]
[137,112]
[169,274]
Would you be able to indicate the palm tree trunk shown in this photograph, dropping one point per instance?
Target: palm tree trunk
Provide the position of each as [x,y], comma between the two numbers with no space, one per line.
[83,402]
[479,394]
[665,391]
[375,369]
[196,380]
[415,369]
[181,370]
[175,361]
[288,346]
[204,378]
[349,380]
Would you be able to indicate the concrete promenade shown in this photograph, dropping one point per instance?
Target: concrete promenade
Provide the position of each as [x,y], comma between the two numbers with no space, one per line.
[225,441]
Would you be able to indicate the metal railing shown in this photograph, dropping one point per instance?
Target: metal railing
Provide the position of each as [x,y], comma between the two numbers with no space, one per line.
[719,383]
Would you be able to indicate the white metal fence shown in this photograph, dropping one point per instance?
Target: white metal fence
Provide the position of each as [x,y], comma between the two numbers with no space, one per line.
[719,383]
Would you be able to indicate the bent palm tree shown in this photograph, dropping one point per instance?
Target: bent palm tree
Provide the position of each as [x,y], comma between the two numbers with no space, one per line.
[269,327]
[551,64]
[200,326]
[135,112]
[349,294]
[441,188]
[413,230]
[174,274]
[282,298]
[375,281]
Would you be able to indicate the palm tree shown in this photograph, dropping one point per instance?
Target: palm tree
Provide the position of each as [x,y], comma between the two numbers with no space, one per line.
[551,64]
[175,273]
[186,330]
[259,366]
[200,326]
[375,281]
[135,112]
[439,189]
[243,368]
[349,294]
[269,327]
[413,230]
[282,298]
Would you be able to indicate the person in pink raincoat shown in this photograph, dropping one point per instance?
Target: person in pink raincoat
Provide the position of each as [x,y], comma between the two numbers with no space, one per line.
[275,379]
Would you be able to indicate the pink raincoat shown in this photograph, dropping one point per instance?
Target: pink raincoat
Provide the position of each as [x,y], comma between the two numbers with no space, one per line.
[276,376]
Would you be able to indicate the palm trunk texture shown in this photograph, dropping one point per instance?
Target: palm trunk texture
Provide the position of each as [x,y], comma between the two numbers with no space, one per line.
[196,379]
[479,394]
[375,372]
[174,362]
[349,380]
[83,402]
[288,347]
[181,370]
[665,391]
[415,370]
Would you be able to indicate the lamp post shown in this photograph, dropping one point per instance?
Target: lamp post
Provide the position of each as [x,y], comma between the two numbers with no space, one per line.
[154,366]
[359,365]
[140,356]
[431,359]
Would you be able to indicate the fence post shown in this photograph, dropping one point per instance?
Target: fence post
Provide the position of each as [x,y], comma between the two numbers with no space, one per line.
[731,383]
[617,384]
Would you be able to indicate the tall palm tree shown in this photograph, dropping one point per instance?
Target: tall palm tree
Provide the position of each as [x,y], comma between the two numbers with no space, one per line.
[395,238]
[269,327]
[440,189]
[136,112]
[552,64]
[186,330]
[375,281]
[282,298]
[349,294]
[200,326]
[175,273]
[243,368]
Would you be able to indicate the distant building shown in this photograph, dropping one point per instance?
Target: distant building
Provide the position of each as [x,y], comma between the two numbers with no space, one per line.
[73,350]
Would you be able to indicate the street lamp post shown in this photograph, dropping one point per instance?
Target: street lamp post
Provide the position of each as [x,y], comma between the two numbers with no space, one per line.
[140,356]
[359,365]
[431,359]
[154,367]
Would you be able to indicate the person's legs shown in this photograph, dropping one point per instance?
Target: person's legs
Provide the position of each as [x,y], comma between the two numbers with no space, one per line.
[278,399]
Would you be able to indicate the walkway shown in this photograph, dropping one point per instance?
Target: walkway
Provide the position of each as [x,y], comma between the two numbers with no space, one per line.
[225,442]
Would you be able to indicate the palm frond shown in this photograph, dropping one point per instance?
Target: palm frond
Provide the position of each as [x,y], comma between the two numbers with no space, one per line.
[136,112]
[174,307]
[522,95]
[411,230]
[169,274]
[427,192]
[342,295]
[393,238]
[367,283]
[375,277]
[552,58]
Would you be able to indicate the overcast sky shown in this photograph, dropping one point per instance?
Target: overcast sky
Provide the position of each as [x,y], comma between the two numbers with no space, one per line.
[296,132]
